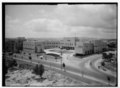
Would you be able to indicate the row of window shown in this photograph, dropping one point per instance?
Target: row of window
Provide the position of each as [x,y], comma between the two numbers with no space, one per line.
[46,47]
[51,43]
[89,52]
[67,44]
[68,48]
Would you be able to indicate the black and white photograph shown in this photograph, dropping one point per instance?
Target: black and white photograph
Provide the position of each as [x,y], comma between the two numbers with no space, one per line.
[60,44]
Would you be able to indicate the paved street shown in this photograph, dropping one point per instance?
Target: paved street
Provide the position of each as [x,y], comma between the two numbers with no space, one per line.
[86,66]
[81,69]
[69,72]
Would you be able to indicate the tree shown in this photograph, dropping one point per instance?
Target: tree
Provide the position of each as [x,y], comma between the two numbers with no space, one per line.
[104,56]
[37,55]
[102,63]
[39,70]
[9,64]
[107,57]
[6,69]
[30,58]
[110,55]
[64,66]
[35,70]
[108,78]
[112,45]
[14,63]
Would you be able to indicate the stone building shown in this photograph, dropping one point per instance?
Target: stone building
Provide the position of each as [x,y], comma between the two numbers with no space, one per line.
[84,48]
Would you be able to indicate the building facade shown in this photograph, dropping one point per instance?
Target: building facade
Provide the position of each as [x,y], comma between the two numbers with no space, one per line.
[99,46]
[84,48]
[68,43]
[29,46]
[14,44]
[33,46]
[51,44]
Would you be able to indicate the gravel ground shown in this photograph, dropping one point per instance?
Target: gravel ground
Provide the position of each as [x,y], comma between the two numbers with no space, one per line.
[25,77]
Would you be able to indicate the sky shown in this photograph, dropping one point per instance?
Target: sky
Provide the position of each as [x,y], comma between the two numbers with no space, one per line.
[62,20]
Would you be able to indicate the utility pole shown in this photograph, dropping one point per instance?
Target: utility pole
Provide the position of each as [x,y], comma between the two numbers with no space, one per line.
[61,58]
[64,66]
[75,40]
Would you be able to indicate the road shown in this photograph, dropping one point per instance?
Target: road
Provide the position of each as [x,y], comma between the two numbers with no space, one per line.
[88,67]
[83,70]
[68,72]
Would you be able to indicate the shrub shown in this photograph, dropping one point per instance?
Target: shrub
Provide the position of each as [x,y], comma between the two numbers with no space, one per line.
[102,63]
[39,70]
[104,55]
[9,64]
[6,69]
[14,63]
[30,58]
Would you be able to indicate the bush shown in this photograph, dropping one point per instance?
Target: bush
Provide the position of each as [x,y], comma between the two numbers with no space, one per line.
[14,63]
[9,64]
[107,57]
[104,56]
[39,70]
[30,58]
[6,69]
[102,63]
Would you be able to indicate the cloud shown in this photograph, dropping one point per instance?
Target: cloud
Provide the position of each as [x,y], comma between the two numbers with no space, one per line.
[100,16]
[62,17]
[10,20]
[46,25]
[89,15]
[90,20]
[92,32]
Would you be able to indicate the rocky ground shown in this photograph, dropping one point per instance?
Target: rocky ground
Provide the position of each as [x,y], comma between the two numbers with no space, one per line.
[25,77]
